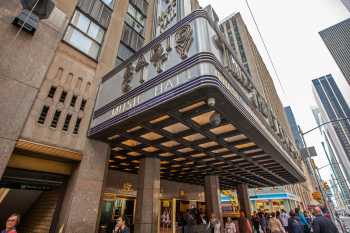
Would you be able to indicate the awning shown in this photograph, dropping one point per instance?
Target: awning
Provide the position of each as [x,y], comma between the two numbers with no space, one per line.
[184,99]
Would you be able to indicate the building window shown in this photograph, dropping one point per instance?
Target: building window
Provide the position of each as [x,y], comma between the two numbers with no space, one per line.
[99,10]
[135,19]
[43,114]
[55,119]
[77,126]
[108,3]
[83,104]
[133,31]
[52,92]
[63,96]
[66,122]
[84,35]
[73,100]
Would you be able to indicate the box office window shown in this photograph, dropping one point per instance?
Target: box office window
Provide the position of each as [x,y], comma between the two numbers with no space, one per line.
[84,35]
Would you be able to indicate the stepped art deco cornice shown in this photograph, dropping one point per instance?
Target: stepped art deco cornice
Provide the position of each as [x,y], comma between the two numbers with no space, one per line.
[184,98]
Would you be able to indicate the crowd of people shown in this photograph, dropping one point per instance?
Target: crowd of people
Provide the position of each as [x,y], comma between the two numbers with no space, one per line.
[296,221]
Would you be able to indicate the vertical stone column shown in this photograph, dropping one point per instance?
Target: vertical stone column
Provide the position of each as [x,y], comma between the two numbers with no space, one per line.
[148,199]
[82,202]
[243,199]
[212,197]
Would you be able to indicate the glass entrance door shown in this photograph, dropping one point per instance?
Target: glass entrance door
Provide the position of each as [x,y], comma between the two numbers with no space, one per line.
[113,207]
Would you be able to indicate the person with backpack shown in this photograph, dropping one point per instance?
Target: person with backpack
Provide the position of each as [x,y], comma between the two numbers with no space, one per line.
[294,225]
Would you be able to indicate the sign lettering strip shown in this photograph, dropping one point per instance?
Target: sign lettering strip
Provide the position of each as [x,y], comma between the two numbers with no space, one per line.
[199,57]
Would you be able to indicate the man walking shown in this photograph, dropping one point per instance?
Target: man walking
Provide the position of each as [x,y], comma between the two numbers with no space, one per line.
[284,220]
[321,224]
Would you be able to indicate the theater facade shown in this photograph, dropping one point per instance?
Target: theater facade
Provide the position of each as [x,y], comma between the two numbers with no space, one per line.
[184,120]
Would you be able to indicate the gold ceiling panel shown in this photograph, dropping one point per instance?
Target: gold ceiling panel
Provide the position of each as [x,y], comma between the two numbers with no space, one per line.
[176,165]
[220,150]
[192,106]
[134,129]
[164,162]
[200,155]
[208,159]
[151,136]
[131,142]
[150,149]
[202,119]
[223,129]
[194,137]
[120,157]
[180,159]
[253,151]
[125,164]
[228,156]
[170,143]
[135,161]
[185,150]
[166,154]
[235,138]
[159,119]
[208,144]
[176,128]
[133,153]
[245,145]
[219,163]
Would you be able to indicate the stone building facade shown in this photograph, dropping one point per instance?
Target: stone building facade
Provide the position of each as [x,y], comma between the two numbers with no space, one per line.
[246,51]
[49,83]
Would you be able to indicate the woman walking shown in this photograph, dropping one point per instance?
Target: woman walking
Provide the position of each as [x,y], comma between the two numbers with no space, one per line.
[275,224]
[230,226]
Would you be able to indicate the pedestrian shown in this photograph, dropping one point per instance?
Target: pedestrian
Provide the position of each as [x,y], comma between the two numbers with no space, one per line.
[256,222]
[303,220]
[275,224]
[203,219]
[284,219]
[267,217]
[244,223]
[322,224]
[263,222]
[214,224]
[294,225]
[121,227]
[230,226]
[11,224]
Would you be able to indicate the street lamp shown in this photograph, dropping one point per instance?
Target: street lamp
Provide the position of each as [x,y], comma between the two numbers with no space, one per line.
[314,173]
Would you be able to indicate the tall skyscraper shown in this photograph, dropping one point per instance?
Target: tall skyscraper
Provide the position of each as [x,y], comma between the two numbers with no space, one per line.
[333,107]
[337,176]
[337,40]
[294,127]
[246,52]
